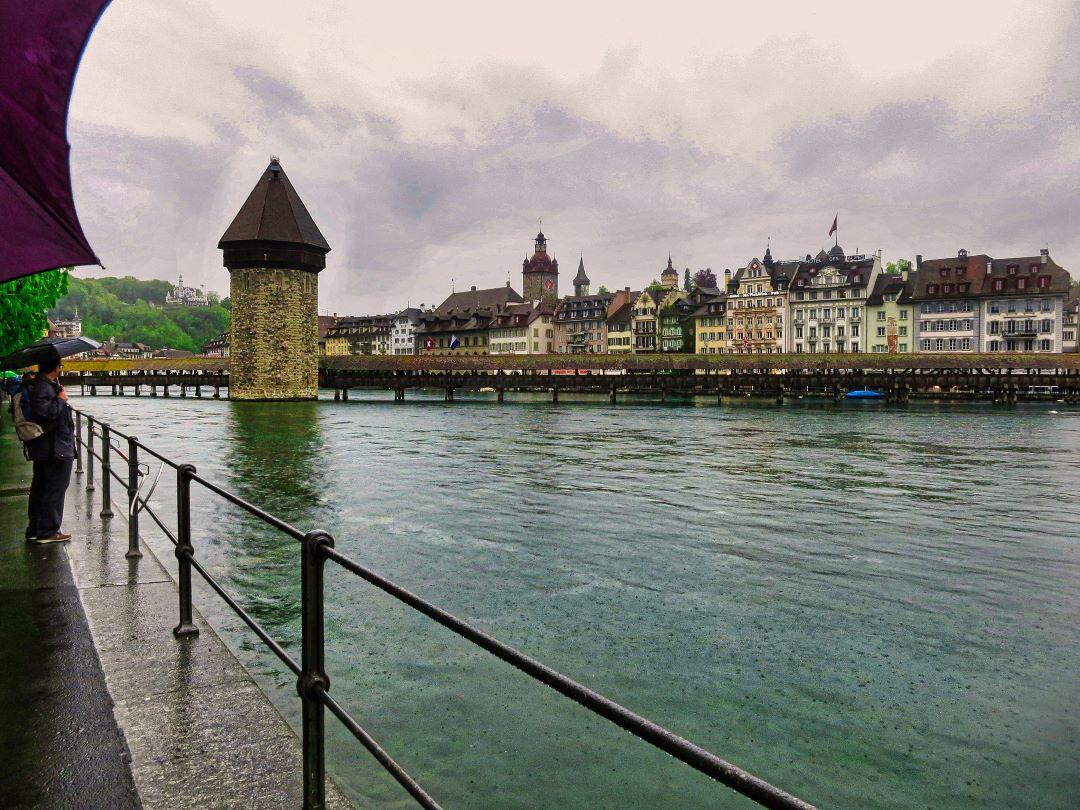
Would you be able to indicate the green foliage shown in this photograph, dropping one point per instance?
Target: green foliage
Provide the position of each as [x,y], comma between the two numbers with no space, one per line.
[687,282]
[656,285]
[897,267]
[23,302]
[134,311]
[603,290]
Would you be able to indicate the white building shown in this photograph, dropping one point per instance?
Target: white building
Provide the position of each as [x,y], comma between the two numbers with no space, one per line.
[403,331]
[827,301]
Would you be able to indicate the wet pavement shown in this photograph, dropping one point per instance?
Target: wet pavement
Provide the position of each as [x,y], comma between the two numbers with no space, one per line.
[100,706]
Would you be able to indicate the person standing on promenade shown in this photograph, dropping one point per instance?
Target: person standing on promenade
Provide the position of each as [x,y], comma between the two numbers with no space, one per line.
[52,453]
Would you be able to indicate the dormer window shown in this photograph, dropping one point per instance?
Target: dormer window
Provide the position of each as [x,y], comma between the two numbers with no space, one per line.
[1034,268]
[961,272]
[857,279]
[999,284]
[1013,269]
[1021,283]
[1044,282]
[931,289]
[944,272]
[946,288]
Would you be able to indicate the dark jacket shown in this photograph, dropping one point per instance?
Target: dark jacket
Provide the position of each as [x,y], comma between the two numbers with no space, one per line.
[54,416]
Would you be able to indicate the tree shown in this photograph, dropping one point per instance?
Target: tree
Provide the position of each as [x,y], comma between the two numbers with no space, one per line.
[656,285]
[23,302]
[687,282]
[705,279]
[897,267]
[602,291]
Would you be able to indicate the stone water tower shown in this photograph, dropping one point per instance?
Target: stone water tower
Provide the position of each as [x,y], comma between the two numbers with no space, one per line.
[274,251]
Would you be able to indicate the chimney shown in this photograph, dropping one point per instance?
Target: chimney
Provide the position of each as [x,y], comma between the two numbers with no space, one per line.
[918,261]
[1044,254]
[989,265]
[472,288]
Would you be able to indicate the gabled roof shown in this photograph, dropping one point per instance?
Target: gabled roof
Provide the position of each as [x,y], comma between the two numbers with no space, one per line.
[887,284]
[274,212]
[496,297]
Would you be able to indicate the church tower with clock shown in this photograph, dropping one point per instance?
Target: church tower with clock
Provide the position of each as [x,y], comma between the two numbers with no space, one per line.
[540,274]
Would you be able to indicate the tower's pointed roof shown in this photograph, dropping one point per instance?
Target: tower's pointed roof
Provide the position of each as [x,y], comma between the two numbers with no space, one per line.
[581,278]
[274,222]
[274,212]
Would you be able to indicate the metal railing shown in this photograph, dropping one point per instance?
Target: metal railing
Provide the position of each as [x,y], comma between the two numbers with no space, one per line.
[313,684]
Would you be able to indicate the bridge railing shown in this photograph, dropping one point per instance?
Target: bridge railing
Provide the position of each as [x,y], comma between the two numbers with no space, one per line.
[313,684]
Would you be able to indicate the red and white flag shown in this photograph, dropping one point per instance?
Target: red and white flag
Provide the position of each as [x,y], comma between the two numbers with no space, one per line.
[832,230]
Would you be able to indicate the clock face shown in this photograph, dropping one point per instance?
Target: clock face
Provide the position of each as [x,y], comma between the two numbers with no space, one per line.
[549,284]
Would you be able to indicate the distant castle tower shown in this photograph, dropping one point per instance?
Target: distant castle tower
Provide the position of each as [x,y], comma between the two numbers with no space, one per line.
[581,281]
[274,251]
[540,274]
[669,278]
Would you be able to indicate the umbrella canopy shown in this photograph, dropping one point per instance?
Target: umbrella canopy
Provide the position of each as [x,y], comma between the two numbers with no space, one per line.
[50,348]
[40,46]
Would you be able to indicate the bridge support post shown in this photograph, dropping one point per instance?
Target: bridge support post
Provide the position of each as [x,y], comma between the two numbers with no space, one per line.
[836,393]
[217,392]
[449,396]
[138,390]
[612,395]
[345,394]
[165,390]
[114,390]
[337,395]
[93,390]
[183,389]
[153,390]
[555,394]
[198,391]
[780,394]
[663,395]
[502,394]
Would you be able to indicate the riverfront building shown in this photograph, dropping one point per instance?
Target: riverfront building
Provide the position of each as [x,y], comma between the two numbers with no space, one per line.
[360,335]
[975,303]
[460,323]
[827,300]
[709,320]
[620,310]
[580,320]
[757,306]
[890,315]
[403,331]
[523,329]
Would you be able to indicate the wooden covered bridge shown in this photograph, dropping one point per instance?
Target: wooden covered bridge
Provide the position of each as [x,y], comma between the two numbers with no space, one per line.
[997,377]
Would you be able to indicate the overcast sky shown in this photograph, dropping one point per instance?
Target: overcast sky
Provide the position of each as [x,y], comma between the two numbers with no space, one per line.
[427,139]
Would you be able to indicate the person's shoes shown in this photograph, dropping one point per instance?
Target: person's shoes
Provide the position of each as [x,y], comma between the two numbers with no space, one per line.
[30,538]
[59,537]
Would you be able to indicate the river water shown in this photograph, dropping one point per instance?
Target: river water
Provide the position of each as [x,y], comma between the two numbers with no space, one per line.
[869,606]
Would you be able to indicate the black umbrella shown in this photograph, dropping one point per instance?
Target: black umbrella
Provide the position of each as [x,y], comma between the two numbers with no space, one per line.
[50,348]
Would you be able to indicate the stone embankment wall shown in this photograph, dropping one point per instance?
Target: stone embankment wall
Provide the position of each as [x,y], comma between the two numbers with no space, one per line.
[275,342]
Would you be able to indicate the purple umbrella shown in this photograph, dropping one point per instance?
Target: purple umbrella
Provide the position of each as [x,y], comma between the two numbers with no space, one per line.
[41,43]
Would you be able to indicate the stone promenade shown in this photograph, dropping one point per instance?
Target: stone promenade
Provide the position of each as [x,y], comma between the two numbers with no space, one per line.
[100,706]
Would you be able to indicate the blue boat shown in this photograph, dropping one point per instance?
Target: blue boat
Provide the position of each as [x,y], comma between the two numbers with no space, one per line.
[865,393]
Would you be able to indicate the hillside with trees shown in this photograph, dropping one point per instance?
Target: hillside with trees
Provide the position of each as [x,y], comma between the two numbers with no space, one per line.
[129,309]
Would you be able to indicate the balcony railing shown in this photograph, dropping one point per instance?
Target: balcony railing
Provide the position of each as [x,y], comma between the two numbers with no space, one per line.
[313,684]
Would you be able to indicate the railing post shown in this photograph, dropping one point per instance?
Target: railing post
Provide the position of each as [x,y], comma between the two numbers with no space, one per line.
[313,667]
[184,550]
[133,507]
[78,443]
[89,453]
[106,473]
